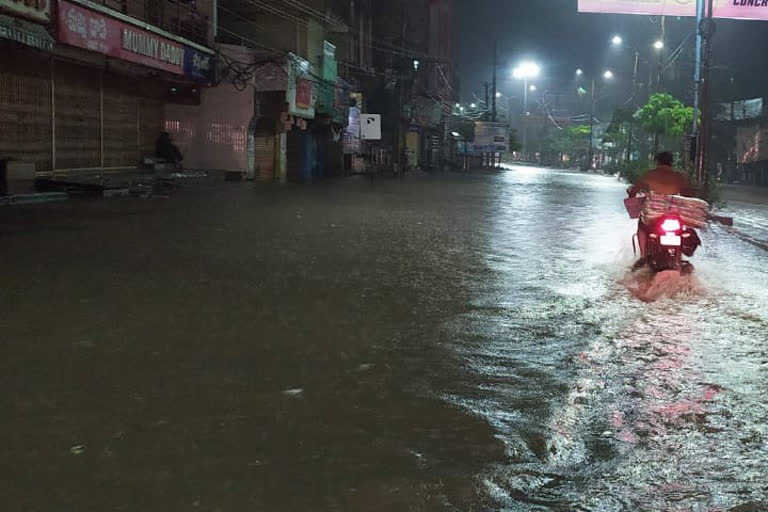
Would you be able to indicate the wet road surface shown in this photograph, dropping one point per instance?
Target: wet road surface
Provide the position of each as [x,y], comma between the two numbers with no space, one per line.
[749,207]
[449,343]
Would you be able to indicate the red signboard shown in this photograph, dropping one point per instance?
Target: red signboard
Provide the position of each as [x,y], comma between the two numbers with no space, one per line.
[99,32]
[303,93]
[37,10]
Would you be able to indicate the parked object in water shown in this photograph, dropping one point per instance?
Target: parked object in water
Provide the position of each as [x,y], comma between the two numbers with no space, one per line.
[168,152]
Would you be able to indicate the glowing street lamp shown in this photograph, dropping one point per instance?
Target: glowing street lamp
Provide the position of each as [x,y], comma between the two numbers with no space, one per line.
[659,45]
[579,72]
[526,71]
[617,41]
[498,94]
[532,88]
[607,77]
[473,105]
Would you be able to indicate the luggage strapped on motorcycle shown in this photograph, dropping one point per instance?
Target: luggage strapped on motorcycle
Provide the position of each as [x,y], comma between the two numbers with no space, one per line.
[693,212]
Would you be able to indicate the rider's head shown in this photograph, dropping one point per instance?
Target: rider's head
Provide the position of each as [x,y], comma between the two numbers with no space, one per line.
[665,158]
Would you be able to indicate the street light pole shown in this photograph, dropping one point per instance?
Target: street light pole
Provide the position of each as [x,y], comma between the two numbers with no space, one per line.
[525,96]
[619,41]
[495,65]
[637,105]
[607,76]
[525,72]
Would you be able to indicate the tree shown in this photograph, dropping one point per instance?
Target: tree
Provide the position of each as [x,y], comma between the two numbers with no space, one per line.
[571,142]
[514,145]
[665,116]
[622,132]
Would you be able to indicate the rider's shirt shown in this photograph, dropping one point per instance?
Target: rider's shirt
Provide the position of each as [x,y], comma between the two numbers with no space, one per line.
[664,180]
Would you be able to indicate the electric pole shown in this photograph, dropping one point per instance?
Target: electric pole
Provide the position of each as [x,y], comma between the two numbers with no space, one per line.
[707,31]
[696,132]
[401,129]
[660,72]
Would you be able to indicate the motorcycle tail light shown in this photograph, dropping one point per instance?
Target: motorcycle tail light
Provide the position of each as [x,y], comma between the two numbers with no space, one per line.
[671,225]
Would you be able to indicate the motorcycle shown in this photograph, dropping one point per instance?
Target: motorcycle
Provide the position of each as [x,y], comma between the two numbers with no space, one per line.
[668,240]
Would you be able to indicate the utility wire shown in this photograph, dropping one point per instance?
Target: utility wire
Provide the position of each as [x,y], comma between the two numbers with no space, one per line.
[296,4]
[278,12]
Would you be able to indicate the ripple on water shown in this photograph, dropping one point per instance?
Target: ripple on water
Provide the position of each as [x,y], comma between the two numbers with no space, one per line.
[610,395]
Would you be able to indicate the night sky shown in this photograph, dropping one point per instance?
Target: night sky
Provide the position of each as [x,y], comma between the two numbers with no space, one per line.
[555,35]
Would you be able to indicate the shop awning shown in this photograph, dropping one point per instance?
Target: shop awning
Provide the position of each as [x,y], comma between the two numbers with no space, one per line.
[25,32]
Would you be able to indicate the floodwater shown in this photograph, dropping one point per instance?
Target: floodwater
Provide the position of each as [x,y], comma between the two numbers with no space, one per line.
[749,207]
[446,343]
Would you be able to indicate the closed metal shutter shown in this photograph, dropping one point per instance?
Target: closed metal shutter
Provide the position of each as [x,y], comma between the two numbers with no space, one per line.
[25,110]
[264,158]
[299,155]
[151,123]
[78,116]
[121,136]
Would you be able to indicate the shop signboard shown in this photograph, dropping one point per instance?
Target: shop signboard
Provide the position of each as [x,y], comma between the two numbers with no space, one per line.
[370,126]
[199,66]
[329,73]
[101,33]
[736,9]
[303,93]
[25,32]
[36,10]
[300,93]
[491,137]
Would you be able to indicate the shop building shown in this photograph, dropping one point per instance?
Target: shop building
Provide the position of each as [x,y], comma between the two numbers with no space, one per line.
[94,100]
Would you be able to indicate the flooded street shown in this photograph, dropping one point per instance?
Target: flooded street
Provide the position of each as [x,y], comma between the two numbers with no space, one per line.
[452,343]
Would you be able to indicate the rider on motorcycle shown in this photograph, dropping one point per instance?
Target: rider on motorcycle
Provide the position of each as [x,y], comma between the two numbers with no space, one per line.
[664,179]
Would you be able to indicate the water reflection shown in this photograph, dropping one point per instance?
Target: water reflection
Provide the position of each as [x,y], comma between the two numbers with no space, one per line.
[604,402]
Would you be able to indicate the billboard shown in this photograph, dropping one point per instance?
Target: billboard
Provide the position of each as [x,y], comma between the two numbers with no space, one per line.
[653,7]
[491,137]
[100,33]
[736,9]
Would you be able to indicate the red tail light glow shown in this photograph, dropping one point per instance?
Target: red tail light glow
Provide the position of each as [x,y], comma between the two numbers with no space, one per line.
[671,225]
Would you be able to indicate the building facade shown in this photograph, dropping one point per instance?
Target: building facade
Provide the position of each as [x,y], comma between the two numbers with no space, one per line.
[414,51]
[280,107]
[84,84]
